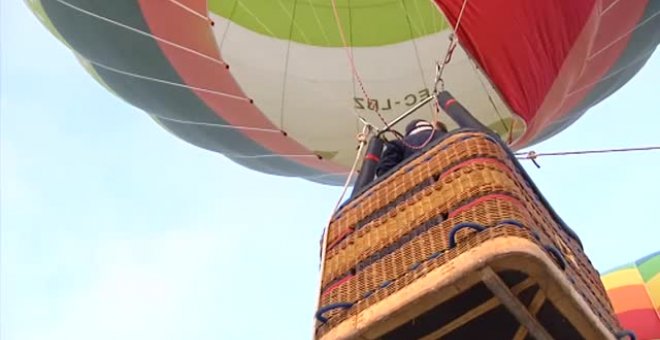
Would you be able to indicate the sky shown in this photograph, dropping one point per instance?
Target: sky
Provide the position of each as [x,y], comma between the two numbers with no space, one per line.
[112,228]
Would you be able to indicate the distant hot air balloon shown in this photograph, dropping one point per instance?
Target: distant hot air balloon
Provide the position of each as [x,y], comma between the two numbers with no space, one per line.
[278,85]
[634,290]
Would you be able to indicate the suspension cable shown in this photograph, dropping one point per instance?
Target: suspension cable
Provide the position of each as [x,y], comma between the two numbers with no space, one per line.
[175,45]
[362,138]
[351,61]
[362,141]
[191,11]
[532,155]
[167,82]
[138,31]
[453,42]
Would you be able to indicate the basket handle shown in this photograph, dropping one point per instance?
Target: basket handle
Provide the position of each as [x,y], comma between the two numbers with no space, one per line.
[626,333]
[461,226]
[521,226]
[325,309]
[557,255]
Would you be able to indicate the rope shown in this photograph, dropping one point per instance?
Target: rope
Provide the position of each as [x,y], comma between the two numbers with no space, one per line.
[286,64]
[119,24]
[292,15]
[453,42]
[362,141]
[351,61]
[326,175]
[507,129]
[191,11]
[210,91]
[532,155]
[229,21]
[271,155]
[215,125]
[414,41]
[439,70]
[135,75]
[194,88]
[622,36]
[318,21]
[162,81]
[256,18]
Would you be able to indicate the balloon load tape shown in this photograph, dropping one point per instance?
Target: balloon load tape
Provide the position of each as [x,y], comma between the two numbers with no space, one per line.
[463,219]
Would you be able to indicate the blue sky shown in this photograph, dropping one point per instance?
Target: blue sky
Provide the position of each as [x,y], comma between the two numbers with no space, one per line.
[112,228]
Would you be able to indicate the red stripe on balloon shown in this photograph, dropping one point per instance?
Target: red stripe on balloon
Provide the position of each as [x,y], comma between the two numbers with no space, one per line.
[196,34]
[643,322]
[520,44]
[585,66]
[537,53]
[198,6]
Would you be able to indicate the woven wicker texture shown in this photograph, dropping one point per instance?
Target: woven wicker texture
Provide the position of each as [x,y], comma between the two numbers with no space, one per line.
[454,149]
[399,229]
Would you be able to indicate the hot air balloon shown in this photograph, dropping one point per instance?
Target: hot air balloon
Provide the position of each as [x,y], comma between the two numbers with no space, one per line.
[283,86]
[634,290]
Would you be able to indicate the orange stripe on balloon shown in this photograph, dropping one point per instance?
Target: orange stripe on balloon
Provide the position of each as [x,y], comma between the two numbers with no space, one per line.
[629,298]
[196,34]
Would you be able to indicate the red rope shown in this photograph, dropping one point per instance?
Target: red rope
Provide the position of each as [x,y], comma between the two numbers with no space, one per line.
[351,61]
[356,74]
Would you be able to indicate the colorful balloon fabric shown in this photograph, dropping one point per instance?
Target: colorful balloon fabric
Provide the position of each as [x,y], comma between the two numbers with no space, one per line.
[634,290]
[280,85]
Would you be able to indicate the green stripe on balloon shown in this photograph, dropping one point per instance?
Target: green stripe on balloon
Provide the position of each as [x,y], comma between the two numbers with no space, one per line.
[649,267]
[618,268]
[365,22]
[98,40]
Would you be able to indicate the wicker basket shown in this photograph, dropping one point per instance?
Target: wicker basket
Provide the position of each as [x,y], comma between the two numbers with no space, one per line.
[456,240]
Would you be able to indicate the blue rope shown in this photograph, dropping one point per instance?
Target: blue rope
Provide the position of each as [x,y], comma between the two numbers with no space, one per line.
[512,222]
[460,226]
[521,225]
[626,333]
[557,255]
[325,309]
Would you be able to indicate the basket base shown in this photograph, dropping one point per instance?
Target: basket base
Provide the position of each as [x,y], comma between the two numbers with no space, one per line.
[505,288]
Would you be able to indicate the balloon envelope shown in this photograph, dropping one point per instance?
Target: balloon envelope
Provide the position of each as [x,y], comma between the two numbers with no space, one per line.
[634,290]
[278,85]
